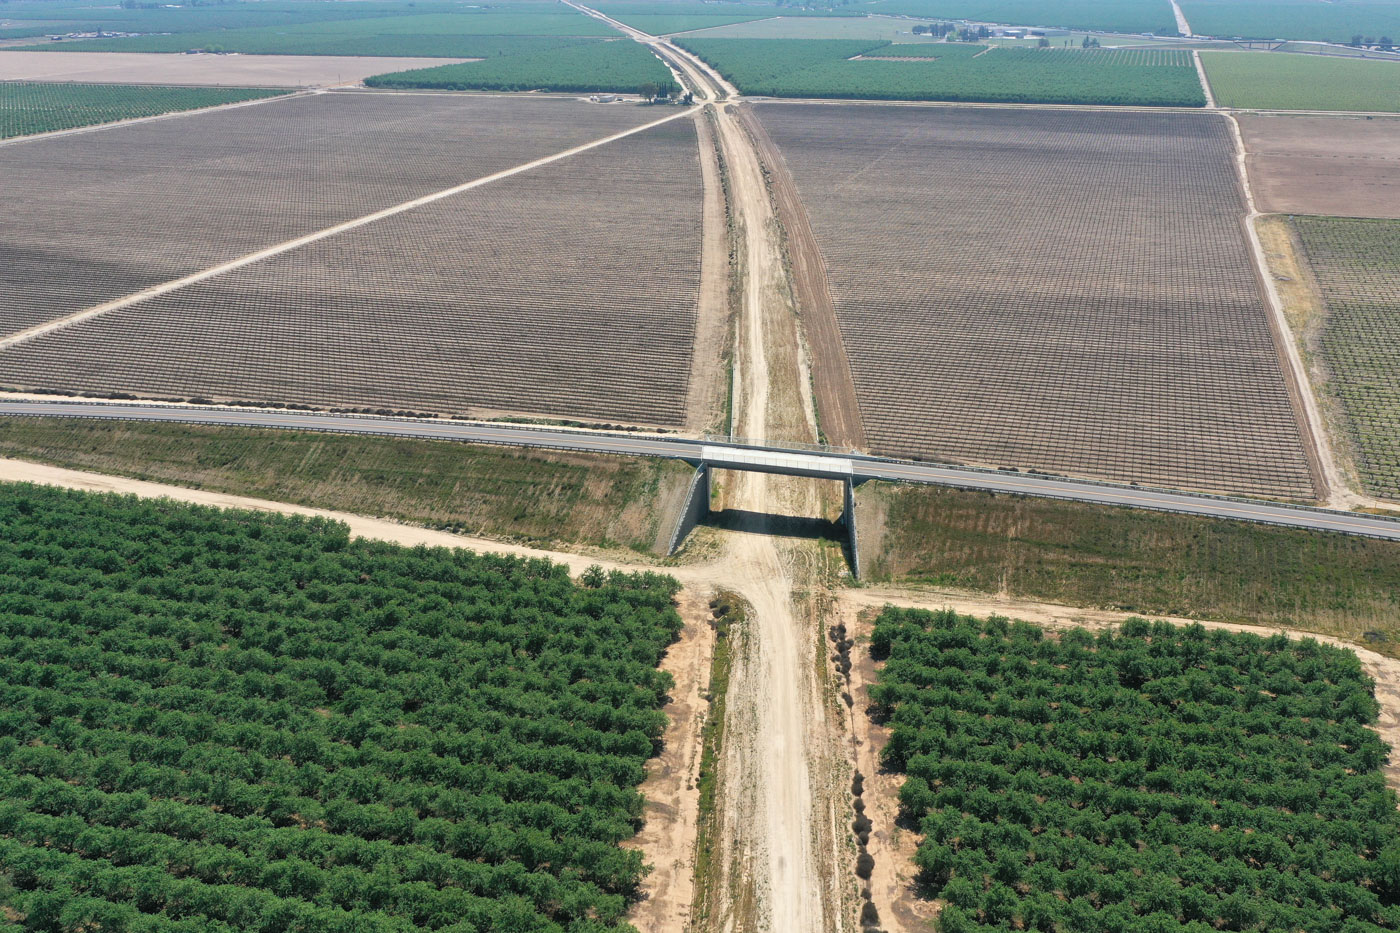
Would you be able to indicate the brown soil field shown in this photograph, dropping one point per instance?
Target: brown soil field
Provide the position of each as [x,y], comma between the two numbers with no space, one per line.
[1341,166]
[837,406]
[96,215]
[569,290]
[205,69]
[1065,291]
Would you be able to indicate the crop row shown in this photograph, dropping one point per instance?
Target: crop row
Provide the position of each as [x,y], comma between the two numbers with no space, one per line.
[1062,291]
[27,108]
[570,290]
[1357,265]
[1158,778]
[831,68]
[252,722]
[109,213]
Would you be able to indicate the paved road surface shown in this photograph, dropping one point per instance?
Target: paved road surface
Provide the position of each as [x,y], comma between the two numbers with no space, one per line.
[795,462]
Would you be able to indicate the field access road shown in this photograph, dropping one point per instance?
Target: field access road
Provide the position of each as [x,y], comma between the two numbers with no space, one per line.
[722,455]
[706,83]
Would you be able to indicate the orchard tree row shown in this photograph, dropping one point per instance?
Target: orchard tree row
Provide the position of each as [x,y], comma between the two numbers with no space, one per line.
[214,719]
[1156,778]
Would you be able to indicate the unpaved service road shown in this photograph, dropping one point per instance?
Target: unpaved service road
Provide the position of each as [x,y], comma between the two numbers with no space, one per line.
[240,70]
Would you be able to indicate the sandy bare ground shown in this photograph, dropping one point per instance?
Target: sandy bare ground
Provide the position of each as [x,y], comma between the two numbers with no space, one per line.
[712,314]
[203,69]
[1345,166]
[379,529]
[1201,75]
[672,788]
[782,820]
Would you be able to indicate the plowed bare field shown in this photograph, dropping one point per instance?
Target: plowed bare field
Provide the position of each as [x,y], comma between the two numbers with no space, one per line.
[1342,166]
[568,290]
[1053,290]
[88,218]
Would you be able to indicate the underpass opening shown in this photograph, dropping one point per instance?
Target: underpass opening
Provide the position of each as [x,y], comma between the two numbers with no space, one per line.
[698,509]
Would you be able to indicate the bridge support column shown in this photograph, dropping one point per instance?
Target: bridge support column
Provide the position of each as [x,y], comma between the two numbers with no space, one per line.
[695,508]
[848,518]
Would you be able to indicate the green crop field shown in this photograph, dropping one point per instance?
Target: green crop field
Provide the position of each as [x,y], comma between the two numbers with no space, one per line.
[1357,265]
[1153,16]
[222,721]
[1153,779]
[60,18]
[818,27]
[23,32]
[1133,560]
[1282,81]
[464,35]
[664,18]
[621,66]
[686,15]
[952,71]
[27,108]
[1293,19]
[664,24]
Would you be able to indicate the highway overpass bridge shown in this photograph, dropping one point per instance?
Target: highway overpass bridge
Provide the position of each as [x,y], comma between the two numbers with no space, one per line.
[708,454]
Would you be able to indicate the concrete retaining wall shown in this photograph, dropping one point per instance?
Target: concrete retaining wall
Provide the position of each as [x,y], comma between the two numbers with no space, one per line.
[695,508]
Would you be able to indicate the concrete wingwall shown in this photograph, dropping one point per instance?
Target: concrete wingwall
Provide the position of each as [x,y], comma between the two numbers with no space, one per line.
[848,515]
[695,508]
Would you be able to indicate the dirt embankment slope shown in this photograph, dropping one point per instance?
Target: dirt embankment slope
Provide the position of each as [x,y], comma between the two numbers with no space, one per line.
[832,382]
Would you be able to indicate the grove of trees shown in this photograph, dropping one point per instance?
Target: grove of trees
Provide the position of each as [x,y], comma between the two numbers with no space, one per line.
[217,720]
[1151,779]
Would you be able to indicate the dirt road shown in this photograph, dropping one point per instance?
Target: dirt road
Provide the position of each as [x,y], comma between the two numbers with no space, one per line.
[1330,485]
[833,383]
[779,822]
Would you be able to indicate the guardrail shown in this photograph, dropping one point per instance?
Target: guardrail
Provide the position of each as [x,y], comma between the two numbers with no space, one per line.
[688,449]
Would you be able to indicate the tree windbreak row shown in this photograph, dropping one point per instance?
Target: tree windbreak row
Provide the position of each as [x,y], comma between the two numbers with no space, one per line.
[219,720]
[1151,779]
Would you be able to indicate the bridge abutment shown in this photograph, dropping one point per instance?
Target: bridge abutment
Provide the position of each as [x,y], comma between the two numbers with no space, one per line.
[695,509]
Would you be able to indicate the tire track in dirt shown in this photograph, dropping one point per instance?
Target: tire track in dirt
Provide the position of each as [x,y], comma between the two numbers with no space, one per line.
[775,828]
[833,383]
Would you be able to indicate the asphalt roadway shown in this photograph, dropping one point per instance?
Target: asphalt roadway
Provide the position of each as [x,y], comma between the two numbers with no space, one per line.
[790,461]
